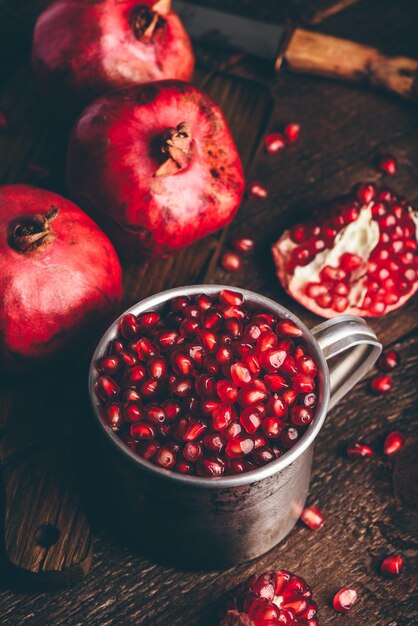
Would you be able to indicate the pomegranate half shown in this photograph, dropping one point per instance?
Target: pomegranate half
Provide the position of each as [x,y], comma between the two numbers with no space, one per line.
[359,257]
[59,273]
[82,50]
[157,167]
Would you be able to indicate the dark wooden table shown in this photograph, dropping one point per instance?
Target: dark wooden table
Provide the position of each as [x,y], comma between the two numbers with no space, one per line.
[370,507]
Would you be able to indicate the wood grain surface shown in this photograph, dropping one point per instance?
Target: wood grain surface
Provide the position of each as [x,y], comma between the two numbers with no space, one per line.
[45,423]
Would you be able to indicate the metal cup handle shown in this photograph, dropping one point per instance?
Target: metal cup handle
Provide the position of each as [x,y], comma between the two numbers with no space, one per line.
[351,347]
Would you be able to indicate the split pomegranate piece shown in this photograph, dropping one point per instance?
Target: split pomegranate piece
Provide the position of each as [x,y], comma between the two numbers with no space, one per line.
[157,165]
[392,565]
[312,517]
[359,257]
[62,279]
[393,443]
[276,598]
[344,599]
[224,386]
[82,50]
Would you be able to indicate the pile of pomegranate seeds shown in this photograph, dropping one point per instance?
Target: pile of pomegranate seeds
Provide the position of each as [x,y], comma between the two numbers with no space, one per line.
[274,598]
[359,257]
[208,386]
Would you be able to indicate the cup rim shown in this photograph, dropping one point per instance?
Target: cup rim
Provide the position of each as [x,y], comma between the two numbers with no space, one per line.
[246,478]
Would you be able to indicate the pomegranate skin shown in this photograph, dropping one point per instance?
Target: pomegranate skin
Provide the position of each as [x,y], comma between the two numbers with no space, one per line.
[120,168]
[82,50]
[55,289]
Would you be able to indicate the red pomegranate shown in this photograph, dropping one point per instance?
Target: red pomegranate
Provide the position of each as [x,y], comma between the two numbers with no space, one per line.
[84,49]
[277,598]
[59,275]
[359,257]
[157,166]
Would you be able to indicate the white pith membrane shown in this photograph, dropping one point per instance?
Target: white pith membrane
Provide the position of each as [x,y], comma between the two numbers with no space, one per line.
[359,237]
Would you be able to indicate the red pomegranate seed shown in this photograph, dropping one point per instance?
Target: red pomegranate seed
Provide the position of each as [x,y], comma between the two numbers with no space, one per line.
[344,599]
[250,419]
[381,384]
[289,437]
[291,132]
[226,390]
[393,443]
[239,446]
[231,262]
[106,388]
[312,517]
[109,364]
[357,450]
[192,451]
[165,457]
[388,164]
[389,360]
[222,416]
[213,442]
[240,374]
[147,449]
[306,365]
[141,430]
[210,467]
[288,328]
[301,415]
[289,397]
[233,298]
[392,565]
[366,192]
[274,143]
[272,427]
[194,430]
[132,412]
[257,190]
[182,467]
[243,245]
[149,319]
[251,394]
[302,383]
[129,326]
[181,363]
[157,367]
[275,382]
[263,455]
[113,416]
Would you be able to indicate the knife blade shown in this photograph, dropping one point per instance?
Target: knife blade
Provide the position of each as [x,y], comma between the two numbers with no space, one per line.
[300,50]
[231,32]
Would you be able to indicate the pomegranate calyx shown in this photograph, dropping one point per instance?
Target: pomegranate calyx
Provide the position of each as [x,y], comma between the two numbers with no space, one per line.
[177,144]
[147,21]
[33,231]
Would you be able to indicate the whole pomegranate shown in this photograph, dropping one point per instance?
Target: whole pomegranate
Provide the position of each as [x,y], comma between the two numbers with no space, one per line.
[84,49]
[359,257]
[156,165]
[59,275]
[276,598]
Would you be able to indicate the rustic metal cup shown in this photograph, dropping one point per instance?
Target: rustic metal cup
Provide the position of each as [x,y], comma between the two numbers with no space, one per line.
[218,522]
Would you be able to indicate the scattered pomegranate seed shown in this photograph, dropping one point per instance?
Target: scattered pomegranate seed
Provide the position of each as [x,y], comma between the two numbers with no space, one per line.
[388,164]
[393,443]
[291,132]
[388,360]
[243,245]
[392,565]
[274,143]
[38,170]
[312,517]
[257,190]
[381,384]
[357,450]
[344,599]
[231,262]
[4,124]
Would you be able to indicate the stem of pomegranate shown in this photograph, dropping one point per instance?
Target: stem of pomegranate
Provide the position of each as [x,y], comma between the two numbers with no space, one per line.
[177,144]
[32,232]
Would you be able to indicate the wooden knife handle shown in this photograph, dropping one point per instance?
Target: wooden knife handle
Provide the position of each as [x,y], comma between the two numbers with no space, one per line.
[312,53]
